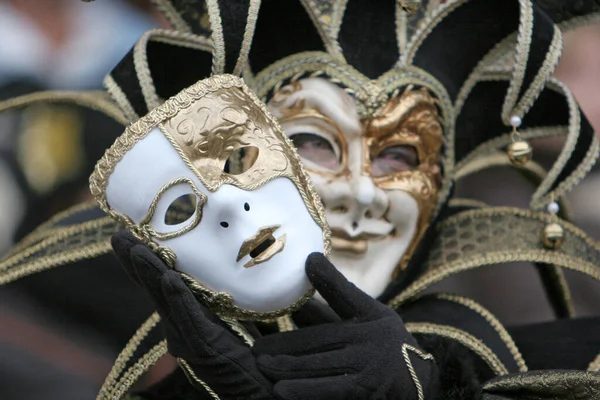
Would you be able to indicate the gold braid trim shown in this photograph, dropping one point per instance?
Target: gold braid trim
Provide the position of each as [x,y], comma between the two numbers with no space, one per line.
[193,378]
[216,36]
[110,383]
[579,22]
[62,246]
[542,76]
[47,228]
[411,369]
[94,100]
[428,24]
[518,71]
[464,338]
[174,18]
[498,235]
[138,369]
[248,36]
[494,323]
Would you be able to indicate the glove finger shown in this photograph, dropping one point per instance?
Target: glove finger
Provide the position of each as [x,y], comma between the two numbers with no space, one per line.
[149,270]
[342,387]
[343,297]
[309,340]
[122,243]
[331,363]
[193,322]
[314,313]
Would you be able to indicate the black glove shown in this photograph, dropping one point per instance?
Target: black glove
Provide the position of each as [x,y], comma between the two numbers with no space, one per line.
[194,334]
[367,353]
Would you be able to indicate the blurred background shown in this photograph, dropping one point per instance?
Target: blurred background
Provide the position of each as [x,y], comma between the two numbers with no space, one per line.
[58,340]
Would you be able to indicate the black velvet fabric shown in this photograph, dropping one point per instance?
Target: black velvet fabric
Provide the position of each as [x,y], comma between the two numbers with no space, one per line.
[564,10]
[455,46]
[584,141]
[560,344]
[234,14]
[125,77]
[368,36]
[480,119]
[175,68]
[444,312]
[172,68]
[461,371]
[541,39]
[283,28]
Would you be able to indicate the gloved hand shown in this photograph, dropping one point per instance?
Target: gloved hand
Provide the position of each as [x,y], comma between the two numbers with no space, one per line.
[363,353]
[194,334]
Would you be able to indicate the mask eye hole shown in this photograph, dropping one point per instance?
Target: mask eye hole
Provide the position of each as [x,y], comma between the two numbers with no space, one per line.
[241,160]
[317,149]
[395,159]
[181,209]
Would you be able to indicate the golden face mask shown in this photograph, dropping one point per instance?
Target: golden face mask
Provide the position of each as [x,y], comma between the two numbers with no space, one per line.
[378,175]
[250,216]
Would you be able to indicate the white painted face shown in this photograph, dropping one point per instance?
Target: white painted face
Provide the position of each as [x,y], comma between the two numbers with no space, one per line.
[355,167]
[246,234]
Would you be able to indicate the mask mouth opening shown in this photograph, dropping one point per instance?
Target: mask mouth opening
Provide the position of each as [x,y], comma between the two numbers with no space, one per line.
[263,246]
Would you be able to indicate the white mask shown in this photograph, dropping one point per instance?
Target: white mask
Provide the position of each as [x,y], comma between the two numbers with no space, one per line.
[243,242]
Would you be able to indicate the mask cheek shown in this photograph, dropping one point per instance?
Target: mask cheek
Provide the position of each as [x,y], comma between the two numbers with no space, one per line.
[403,211]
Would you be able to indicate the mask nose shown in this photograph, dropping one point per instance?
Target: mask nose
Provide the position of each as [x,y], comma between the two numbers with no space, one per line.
[231,211]
[361,200]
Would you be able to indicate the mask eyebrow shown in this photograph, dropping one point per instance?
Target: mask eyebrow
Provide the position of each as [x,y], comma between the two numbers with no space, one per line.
[328,100]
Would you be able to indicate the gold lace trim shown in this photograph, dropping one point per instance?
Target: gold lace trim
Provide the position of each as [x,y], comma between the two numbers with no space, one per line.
[499,235]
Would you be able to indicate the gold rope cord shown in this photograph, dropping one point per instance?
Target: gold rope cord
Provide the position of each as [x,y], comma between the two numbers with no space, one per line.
[499,235]
[95,100]
[116,377]
[464,338]
[60,246]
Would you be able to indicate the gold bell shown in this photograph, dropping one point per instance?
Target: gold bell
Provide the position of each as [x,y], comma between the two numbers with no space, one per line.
[410,6]
[519,153]
[553,236]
